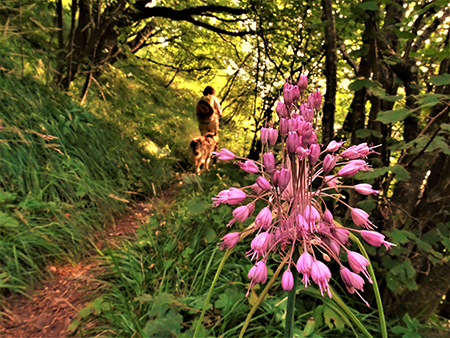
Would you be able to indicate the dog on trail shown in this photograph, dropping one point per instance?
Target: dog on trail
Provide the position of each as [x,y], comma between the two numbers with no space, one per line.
[200,149]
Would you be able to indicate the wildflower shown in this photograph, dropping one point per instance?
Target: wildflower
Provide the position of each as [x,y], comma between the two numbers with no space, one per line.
[358,263]
[256,189]
[302,83]
[264,218]
[242,213]
[269,162]
[248,166]
[375,238]
[352,280]
[263,135]
[231,196]
[287,281]
[328,163]
[292,142]
[281,110]
[321,275]
[361,218]
[263,183]
[341,234]
[314,153]
[328,217]
[304,263]
[334,146]
[284,126]
[224,155]
[365,189]
[315,100]
[230,240]
[272,135]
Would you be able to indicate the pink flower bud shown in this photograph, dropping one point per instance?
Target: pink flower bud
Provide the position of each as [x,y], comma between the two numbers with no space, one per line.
[281,110]
[260,274]
[302,83]
[292,142]
[263,183]
[272,135]
[358,263]
[231,196]
[284,179]
[264,135]
[334,146]
[332,181]
[230,240]
[315,100]
[243,212]
[375,239]
[328,217]
[352,280]
[329,163]
[361,218]
[307,112]
[287,281]
[260,244]
[264,218]
[284,126]
[365,189]
[350,153]
[304,263]
[321,275]
[269,162]
[314,153]
[340,234]
[311,214]
[256,189]
[348,170]
[249,167]
[224,155]
[288,94]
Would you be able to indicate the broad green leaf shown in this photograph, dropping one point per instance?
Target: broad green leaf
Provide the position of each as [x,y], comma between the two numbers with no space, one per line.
[440,80]
[393,116]
[400,236]
[329,315]
[401,174]
[196,206]
[228,299]
[209,235]
[166,325]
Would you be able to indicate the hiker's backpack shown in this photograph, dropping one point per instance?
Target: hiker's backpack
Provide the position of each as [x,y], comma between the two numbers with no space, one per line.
[204,108]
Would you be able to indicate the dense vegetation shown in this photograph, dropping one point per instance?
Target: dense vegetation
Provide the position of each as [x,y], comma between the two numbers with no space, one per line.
[97,109]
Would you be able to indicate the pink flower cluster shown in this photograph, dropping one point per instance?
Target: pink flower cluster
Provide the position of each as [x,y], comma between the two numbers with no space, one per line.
[296,218]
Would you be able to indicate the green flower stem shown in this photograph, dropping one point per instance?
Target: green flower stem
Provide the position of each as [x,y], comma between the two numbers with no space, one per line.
[349,313]
[261,297]
[211,289]
[374,285]
[290,308]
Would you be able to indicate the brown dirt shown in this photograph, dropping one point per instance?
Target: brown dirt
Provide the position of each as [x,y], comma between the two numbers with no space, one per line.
[53,305]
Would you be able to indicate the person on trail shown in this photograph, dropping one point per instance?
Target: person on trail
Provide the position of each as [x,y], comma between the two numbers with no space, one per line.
[208,112]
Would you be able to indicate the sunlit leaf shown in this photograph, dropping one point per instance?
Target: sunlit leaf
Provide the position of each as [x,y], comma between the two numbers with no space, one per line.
[393,116]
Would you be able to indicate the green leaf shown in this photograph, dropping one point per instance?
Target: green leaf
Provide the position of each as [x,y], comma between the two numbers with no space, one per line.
[164,326]
[440,80]
[368,6]
[309,328]
[401,174]
[400,236]
[209,235]
[196,206]
[393,116]
[329,315]
[229,299]
[361,83]
[364,133]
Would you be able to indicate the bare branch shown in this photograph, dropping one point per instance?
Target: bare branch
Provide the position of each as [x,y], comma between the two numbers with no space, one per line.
[348,58]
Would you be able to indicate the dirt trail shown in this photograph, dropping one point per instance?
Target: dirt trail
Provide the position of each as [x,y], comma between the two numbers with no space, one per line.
[53,305]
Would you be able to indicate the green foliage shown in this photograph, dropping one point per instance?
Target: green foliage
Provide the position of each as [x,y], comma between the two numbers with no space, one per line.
[64,173]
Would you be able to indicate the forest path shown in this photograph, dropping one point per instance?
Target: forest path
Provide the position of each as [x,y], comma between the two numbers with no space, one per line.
[52,305]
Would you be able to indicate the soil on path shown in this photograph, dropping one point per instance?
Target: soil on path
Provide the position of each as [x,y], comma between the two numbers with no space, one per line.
[53,305]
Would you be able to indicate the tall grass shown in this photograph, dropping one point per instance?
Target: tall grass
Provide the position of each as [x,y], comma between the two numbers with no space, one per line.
[63,173]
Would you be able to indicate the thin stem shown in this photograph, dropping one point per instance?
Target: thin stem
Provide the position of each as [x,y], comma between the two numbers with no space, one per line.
[290,308]
[349,313]
[374,285]
[261,297]
[211,289]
